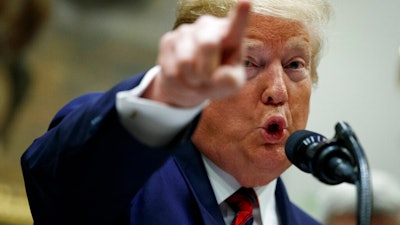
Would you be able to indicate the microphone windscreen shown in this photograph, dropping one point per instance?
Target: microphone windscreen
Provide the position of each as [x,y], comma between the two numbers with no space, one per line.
[297,144]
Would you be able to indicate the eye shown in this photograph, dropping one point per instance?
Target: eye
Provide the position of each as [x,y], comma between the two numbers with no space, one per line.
[296,69]
[295,65]
[247,63]
[251,67]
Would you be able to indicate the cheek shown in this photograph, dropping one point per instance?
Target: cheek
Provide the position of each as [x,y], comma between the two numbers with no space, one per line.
[236,107]
[300,107]
[220,115]
[233,115]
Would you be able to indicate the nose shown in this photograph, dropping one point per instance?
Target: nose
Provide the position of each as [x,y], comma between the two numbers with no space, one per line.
[275,89]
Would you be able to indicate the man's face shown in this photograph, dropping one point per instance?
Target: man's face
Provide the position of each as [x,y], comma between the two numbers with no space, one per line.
[245,134]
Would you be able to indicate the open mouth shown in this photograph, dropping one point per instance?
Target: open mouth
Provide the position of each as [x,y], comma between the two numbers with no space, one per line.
[274,129]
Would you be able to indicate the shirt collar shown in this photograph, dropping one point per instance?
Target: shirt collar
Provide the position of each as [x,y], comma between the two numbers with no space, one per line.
[224,185]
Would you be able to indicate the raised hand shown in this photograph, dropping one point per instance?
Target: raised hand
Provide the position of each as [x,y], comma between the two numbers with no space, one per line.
[202,60]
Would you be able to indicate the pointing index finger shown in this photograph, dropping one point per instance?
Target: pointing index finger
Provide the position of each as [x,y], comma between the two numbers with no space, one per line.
[238,23]
[232,44]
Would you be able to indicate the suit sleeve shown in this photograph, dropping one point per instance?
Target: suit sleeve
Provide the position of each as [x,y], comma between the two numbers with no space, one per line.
[151,122]
[86,168]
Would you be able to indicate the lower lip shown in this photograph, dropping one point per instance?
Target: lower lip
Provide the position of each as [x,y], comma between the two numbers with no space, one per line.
[273,137]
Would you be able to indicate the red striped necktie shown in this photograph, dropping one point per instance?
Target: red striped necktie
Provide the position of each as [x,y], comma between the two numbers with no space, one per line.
[242,202]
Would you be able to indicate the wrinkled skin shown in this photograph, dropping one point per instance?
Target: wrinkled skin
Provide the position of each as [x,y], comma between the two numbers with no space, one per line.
[245,134]
[256,72]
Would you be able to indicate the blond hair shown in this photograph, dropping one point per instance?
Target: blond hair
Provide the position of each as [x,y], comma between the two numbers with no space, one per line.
[313,14]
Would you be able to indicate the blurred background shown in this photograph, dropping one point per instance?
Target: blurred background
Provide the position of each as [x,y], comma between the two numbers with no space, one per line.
[74,47]
[54,50]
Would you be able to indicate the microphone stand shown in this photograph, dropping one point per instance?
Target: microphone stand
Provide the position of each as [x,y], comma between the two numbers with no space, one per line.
[346,137]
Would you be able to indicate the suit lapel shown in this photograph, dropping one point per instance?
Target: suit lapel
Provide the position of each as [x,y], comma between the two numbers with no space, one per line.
[290,214]
[190,164]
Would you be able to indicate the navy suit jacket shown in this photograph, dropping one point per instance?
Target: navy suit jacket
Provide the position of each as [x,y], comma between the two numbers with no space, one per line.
[87,169]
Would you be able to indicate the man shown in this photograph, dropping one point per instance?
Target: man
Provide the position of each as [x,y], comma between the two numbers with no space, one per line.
[171,145]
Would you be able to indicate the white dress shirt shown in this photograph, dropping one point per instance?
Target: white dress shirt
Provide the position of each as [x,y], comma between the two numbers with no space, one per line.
[156,124]
[153,123]
[224,185]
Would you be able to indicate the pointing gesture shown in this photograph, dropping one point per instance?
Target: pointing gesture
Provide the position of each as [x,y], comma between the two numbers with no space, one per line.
[202,60]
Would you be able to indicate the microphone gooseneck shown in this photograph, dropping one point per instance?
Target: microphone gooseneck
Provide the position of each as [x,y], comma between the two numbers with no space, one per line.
[333,161]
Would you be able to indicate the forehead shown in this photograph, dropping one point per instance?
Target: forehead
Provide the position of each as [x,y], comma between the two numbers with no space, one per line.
[276,31]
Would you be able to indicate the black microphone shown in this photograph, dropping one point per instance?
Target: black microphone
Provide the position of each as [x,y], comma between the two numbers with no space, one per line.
[327,160]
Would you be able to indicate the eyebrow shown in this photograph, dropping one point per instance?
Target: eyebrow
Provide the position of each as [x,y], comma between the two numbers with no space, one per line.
[253,43]
[295,42]
[298,43]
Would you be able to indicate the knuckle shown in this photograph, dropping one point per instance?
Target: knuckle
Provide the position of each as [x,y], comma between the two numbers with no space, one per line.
[206,19]
[167,38]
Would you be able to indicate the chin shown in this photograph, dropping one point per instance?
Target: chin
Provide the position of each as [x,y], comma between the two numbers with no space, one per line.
[264,172]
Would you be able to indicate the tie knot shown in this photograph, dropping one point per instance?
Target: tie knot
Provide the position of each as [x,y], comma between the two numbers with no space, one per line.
[244,199]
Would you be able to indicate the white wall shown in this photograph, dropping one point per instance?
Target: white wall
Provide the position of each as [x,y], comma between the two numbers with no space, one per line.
[360,84]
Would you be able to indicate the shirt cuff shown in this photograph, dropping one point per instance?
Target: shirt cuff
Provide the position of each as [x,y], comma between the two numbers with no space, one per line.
[151,122]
